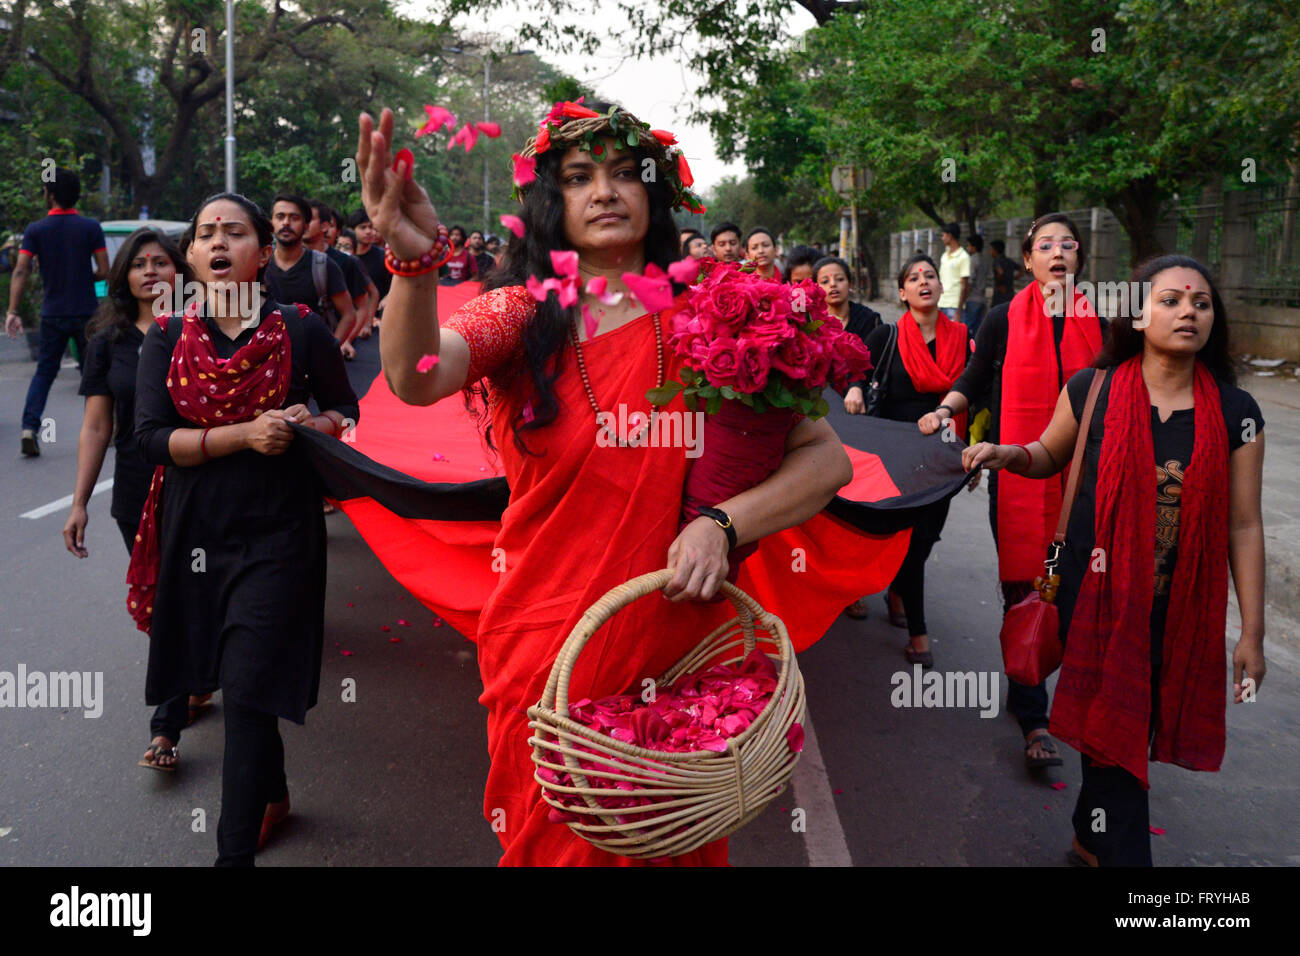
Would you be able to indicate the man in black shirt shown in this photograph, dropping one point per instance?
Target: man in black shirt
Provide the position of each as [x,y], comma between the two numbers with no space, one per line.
[478,249]
[291,276]
[1004,273]
[320,236]
[370,250]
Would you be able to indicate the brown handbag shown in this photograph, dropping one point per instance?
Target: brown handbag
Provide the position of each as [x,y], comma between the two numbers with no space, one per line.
[1031,630]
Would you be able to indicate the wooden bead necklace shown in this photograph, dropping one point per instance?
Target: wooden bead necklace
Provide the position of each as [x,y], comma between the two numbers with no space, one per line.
[582,365]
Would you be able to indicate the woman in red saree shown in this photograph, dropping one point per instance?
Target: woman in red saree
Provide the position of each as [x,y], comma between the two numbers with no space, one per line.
[582,517]
[1169,500]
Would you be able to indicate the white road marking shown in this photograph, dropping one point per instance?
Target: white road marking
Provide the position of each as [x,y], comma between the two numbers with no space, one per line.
[64,502]
[824,838]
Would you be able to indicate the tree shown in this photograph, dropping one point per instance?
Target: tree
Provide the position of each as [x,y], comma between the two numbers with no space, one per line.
[112,55]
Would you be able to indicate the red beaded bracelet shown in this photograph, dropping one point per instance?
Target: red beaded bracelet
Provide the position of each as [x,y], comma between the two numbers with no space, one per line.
[409,268]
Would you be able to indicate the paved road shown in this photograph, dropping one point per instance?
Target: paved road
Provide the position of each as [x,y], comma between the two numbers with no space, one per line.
[396,777]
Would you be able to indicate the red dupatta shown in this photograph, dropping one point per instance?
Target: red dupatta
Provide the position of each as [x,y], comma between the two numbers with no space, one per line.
[208,391]
[938,372]
[1103,697]
[1027,507]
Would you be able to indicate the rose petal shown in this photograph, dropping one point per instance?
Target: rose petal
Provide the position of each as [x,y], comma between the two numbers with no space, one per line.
[655,294]
[565,263]
[394,640]
[346,653]
[384,627]
[589,321]
[525,170]
[467,136]
[438,117]
[403,623]
[794,737]
[685,271]
[490,130]
[1059,785]
[1157,831]
[426,362]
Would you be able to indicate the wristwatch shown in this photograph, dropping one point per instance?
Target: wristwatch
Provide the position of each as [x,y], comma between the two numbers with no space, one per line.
[723,521]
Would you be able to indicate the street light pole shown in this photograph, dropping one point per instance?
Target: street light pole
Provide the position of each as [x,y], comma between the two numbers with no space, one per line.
[487,213]
[230,96]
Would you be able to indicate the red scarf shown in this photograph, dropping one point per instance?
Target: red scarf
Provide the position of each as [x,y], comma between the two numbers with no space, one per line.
[1027,507]
[1103,698]
[208,391]
[935,373]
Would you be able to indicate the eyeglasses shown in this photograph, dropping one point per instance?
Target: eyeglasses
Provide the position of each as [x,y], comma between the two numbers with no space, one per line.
[1046,245]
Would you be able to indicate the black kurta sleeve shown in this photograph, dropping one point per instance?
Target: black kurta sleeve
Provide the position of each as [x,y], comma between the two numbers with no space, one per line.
[327,373]
[155,413]
[990,349]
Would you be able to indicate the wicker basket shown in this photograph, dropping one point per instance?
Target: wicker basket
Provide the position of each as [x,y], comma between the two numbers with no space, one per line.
[698,796]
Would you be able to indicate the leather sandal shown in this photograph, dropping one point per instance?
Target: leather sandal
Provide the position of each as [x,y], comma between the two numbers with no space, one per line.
[1044,742]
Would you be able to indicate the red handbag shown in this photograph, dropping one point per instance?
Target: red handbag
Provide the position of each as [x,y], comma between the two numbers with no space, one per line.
[1031,630]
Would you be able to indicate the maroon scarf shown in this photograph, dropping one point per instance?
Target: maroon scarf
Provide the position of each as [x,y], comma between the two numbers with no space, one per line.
[1103,697]
[209,391]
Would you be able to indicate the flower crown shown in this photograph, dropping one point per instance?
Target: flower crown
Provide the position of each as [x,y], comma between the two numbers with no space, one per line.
[572,124]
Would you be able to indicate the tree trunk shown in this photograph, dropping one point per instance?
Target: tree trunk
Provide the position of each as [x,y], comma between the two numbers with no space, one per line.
[1137,207]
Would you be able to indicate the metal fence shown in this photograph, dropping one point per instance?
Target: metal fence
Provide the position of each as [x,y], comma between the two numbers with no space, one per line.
[1249,239]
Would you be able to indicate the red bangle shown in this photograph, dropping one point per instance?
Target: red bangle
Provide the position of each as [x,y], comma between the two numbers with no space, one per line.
[203,445]
[435,258]
[1028,454]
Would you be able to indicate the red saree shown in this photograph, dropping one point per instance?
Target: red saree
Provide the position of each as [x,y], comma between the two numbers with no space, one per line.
[585,518]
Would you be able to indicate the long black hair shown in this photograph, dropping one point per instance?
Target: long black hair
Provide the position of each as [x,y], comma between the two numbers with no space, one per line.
[1123,341]
[259,220]
[530,255]
[119,308]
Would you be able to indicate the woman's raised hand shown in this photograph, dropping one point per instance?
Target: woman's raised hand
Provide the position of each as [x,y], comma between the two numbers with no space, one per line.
[930,422]
[398,206]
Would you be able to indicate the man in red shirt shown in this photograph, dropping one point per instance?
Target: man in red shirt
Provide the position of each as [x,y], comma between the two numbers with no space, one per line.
[63,244]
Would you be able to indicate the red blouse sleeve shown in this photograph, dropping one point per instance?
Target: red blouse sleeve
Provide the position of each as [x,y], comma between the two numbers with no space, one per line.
[492,325]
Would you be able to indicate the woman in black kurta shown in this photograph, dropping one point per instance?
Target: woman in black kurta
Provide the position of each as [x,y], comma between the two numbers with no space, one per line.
[246,612]
[919,289]
[114,336]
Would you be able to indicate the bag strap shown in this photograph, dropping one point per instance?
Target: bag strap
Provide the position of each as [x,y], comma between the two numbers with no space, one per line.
[1076,464]
[886,360]
[319,272]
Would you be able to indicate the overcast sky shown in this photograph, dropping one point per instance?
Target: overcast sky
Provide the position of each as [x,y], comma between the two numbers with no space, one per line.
[656,90]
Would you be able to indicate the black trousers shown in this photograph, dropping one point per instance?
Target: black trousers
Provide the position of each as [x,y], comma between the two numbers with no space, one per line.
[252,775]
[1112,816]
[909,583]
[169,718]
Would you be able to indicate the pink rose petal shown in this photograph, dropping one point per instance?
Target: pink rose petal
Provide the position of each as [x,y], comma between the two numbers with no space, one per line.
[685,270]
[525,170]
[346,653]
[425,363]
[394,640]
[654,293]
[514,224]
[490,130]
[384,627]
[403,623]
[350,604]
[589,321]
[438,117]
[1157,831]
[794,737]
[1059,785]
[565,263]
[467,136]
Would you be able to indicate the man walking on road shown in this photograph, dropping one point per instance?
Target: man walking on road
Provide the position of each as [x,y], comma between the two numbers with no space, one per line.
[954,273]
[980,270]
[63,244]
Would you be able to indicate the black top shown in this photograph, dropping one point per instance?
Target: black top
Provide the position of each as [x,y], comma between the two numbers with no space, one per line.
[296,284]
[240,602]
[1004,279]
[354,274]
[485,262]
[64,244]
[373,260]
[981,383]
[109,369]
[863,320]
[903,403]
[1173,441]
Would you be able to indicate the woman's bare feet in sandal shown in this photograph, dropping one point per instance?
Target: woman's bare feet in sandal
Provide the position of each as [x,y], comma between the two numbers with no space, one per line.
[160,754]
[1040,750]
